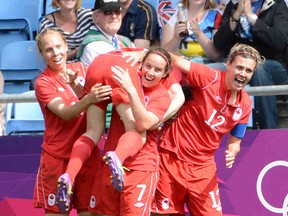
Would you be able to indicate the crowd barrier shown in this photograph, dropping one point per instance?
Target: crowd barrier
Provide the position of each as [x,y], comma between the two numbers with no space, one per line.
[253,91]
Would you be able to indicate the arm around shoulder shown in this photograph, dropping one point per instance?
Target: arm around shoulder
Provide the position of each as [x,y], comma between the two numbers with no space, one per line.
[181,63]
[178,99]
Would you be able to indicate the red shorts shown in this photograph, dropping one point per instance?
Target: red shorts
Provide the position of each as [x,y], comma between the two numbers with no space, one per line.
[135,199]
[104,198]
[99,71]
[182,183]
[85,179]
[50,169]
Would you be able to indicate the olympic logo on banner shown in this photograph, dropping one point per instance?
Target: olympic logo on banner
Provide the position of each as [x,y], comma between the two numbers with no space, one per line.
[284,209]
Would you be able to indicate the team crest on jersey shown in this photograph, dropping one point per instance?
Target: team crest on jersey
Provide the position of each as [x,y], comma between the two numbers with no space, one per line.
[237,114]
[51,199]
[92,201]
[81,80]
[165,204]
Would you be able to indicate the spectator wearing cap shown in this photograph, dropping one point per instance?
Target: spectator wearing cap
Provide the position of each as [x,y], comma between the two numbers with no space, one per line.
[102,37]
[139,23]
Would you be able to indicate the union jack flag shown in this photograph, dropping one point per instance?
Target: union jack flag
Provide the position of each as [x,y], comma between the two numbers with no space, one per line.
[165,11]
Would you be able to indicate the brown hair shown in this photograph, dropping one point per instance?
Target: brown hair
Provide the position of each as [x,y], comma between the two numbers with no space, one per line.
[164,54]
[45,32]
[56,4]
[209,4]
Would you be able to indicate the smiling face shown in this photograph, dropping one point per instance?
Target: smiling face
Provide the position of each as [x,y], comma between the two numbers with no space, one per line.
[67,4]
[53,50]
[239,72]
[153,70]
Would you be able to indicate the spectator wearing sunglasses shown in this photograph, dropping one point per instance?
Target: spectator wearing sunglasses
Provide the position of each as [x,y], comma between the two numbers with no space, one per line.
[102,37]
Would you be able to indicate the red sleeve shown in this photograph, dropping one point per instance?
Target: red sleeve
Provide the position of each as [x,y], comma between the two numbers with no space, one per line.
[158,101]
[170,80]
[45,90]
[201,75]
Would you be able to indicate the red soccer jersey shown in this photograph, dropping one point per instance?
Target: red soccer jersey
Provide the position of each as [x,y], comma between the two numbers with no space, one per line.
[157,100]
[202,122]
[59,135]
[100,72]
[170,80]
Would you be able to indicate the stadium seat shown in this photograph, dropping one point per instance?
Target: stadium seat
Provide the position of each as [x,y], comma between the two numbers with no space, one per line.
[12,30]
[19,9]
[20,25]
[20,63]
[24,118]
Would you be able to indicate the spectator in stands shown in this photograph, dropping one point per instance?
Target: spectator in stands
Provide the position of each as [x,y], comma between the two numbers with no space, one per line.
[63,107]
[102,36]
[219,106]
[2,107]
[203,21]
[139,23]
[262,24]
[73,22]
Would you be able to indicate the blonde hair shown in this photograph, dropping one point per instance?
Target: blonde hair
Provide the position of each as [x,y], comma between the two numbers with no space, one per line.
[44,33]
[209,4]
[56,4]
[245,51]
